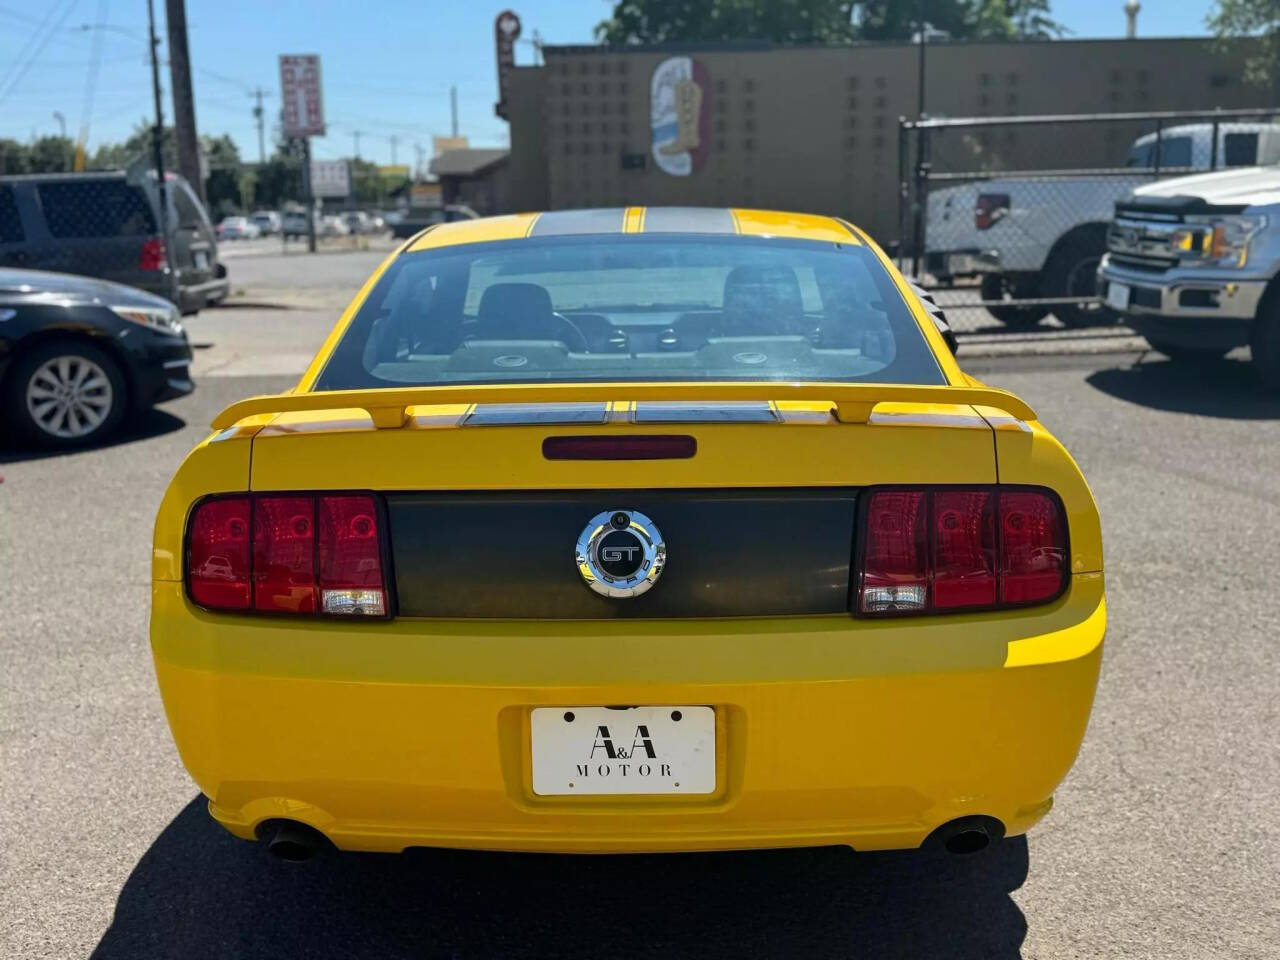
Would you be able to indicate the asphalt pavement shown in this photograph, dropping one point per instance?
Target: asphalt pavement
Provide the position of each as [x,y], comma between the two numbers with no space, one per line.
[1164,842]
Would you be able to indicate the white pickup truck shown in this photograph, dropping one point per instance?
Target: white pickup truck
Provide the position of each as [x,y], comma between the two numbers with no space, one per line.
[1042,235]
[1193,264]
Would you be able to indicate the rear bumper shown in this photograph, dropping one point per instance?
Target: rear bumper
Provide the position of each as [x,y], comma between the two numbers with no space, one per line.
[193,297]
[829,730]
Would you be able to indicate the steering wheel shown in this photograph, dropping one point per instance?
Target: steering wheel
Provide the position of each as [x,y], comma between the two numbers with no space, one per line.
[576,340]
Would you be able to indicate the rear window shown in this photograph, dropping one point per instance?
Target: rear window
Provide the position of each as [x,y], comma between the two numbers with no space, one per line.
[95,208]
[10,222]
[1240,149]
[628,308]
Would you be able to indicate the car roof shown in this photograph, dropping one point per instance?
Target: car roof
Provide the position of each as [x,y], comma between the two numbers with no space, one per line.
[726,221]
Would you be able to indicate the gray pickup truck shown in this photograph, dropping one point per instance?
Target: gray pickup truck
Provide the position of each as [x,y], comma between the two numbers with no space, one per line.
[1193,265]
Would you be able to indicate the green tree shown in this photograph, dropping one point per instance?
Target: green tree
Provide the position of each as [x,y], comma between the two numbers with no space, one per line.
[222,188]
[52,155]
[899,19]
[14,157]
[1260,18]
[823,21]
[674,21]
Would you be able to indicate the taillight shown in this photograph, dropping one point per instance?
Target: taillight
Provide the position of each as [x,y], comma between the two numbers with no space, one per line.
[295,554]
[154,255]
[951,549]
[218,554]
[990,209]
[350,558]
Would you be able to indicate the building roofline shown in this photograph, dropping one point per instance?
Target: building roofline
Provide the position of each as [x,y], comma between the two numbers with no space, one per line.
[766,46]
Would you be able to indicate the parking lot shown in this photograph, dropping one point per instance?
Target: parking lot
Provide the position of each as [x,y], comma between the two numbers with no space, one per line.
[1164,841]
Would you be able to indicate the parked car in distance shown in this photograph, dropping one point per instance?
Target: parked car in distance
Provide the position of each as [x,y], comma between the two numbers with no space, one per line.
[1193,264]
[419,219]
[267,221]
[358,221]
[810,519]
[107,225]
[1042,235]
[293,224]
[238,228]
[333,226]
[79,355]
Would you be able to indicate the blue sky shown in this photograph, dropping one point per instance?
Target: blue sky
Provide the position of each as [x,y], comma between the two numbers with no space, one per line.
[387,64]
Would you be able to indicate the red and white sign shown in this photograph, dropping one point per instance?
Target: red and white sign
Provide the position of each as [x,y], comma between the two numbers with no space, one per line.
[300,93]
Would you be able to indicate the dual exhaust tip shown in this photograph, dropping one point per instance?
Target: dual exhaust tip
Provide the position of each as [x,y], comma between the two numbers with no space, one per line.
[295,842]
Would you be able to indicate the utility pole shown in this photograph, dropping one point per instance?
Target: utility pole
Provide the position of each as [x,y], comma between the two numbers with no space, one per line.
[417,166]
[157,148]
[307,198]
[184,107]
[393,139]
[62,123]
[453,107]
[355,134]
[258,94]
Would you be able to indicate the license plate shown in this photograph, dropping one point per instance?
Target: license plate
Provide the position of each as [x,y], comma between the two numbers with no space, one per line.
[202,260]
[962,263]
[1118,296]
[641,750]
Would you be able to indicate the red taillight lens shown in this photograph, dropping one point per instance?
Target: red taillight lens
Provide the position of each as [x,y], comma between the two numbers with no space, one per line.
[990,209]
[297,554]
[1033,559]
[154,256]
[952,549]
[351,557]
[284,554]
[895,561]
[964,549]
[218,554]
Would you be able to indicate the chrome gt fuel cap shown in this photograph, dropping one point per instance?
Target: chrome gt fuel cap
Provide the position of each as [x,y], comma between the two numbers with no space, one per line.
[620,553]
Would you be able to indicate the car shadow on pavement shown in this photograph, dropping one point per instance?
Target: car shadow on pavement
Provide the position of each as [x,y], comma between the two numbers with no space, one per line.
[146,426]
[198,892]
[1215,387]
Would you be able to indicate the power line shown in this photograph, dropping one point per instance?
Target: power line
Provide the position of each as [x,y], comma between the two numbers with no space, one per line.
[22,70]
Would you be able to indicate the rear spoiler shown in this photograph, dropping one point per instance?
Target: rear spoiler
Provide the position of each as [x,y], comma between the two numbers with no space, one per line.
[850,402]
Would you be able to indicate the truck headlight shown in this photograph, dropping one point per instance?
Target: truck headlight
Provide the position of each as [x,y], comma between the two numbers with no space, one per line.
[1221,241]
[163,319]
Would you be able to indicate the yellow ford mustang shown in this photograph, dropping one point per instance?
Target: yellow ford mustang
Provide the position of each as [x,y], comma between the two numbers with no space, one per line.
[630,530]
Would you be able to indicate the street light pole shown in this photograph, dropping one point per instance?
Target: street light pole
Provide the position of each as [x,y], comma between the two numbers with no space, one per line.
[157,148]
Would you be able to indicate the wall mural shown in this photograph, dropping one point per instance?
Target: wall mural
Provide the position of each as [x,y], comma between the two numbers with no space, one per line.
[679,111]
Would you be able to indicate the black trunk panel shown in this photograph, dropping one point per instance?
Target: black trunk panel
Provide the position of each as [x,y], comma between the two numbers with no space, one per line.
[730,553]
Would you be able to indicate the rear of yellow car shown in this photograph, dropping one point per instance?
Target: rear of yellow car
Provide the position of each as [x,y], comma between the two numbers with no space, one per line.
[679,533]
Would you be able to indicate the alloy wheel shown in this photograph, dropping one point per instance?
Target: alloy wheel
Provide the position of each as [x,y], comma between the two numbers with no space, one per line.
[69,396]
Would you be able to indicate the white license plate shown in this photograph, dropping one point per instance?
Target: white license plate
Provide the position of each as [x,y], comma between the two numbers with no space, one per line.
[202,260]
[645,750]
[962,263]
[1118,295]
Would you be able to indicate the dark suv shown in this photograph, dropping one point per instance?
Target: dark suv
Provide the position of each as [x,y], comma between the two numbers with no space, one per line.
[107,225]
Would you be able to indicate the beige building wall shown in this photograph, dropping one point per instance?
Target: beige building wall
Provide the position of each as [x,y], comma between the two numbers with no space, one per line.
[816,129]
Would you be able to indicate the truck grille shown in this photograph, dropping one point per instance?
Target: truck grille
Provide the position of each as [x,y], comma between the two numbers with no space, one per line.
[1141,240]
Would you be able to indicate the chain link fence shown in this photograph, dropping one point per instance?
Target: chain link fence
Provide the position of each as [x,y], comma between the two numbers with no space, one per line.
[1005,218]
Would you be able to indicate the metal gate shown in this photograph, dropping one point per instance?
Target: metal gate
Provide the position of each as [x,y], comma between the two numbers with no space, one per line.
[1005,218]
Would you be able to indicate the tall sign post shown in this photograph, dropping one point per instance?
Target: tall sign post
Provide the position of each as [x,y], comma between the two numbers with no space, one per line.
[303,116]
[506,31]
